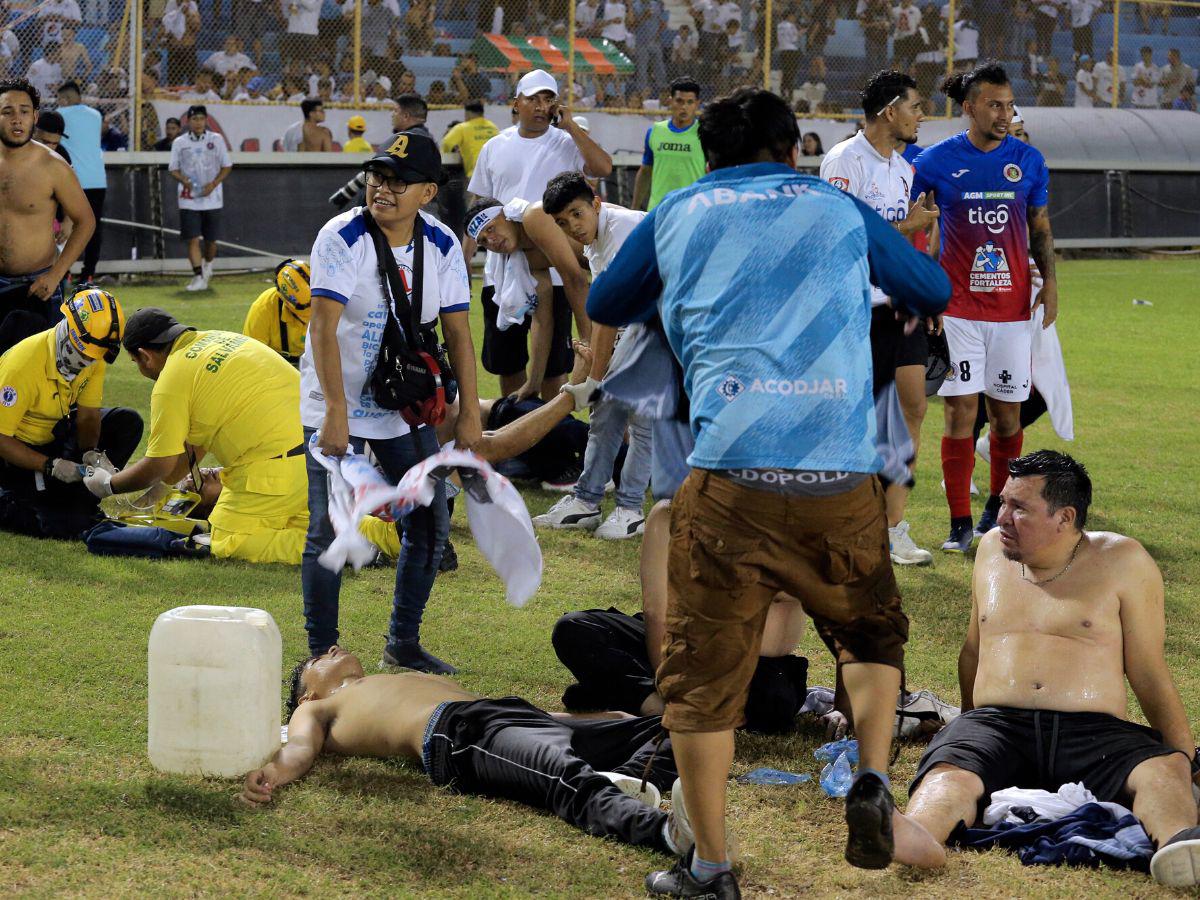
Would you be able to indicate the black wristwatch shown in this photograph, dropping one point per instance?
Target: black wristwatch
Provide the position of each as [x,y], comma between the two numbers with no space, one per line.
[48,467]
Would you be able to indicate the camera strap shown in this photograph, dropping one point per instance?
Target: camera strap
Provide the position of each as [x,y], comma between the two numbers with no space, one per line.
[407,314]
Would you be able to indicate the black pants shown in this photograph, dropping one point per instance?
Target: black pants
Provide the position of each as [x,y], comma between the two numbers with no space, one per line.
[91,253]
[1031,411]
[22,316]
[606,652]
[32,504]
[509,748]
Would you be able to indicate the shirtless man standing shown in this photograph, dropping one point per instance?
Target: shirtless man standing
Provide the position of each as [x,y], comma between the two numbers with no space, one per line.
[501,748]
[34,182]
[1060,618]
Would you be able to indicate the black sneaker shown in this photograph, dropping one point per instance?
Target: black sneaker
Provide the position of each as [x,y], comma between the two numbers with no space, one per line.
[987,521]
[869,808]
[449,559]
[961,538]
[414,656]
[678,881]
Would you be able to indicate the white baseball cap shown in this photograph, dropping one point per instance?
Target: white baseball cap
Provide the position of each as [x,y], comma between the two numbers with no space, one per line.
[536,81]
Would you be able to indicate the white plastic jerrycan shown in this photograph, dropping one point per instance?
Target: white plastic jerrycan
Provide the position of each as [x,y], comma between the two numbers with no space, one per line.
[215,675]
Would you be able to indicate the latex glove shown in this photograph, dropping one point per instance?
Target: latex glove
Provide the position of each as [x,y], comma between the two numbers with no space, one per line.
[99,482]
[98,459]
[581,393]
[66,471]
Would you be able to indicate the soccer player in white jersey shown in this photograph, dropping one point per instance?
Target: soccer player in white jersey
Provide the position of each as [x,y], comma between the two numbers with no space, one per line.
[870,167]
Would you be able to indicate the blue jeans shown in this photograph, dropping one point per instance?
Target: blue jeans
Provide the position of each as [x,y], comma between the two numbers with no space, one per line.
[417,566]
[673,443]
[605,434]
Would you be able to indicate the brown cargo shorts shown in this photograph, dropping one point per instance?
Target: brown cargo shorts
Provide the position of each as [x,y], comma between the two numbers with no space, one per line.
[733,548]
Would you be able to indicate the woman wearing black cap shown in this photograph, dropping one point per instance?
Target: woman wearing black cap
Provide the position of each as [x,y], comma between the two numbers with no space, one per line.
[354,297]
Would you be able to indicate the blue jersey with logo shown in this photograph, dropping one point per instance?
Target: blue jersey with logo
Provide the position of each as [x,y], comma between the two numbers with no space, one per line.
[762,278]
[984,200]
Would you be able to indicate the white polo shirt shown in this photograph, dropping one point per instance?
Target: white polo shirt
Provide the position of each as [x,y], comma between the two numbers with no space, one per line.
[345,269]
[511,167]
[882,183]
[201,159]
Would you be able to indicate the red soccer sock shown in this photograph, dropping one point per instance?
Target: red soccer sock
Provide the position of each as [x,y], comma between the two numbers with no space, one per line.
[1003,450]
[958,462]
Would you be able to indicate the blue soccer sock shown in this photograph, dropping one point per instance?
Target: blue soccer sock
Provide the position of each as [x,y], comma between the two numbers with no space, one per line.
[703,870]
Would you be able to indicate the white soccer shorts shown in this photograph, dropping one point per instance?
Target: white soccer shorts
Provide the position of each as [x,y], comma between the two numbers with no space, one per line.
[993,358]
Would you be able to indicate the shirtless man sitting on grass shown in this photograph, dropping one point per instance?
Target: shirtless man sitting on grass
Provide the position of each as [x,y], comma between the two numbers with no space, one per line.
[579,768]
[1060,618]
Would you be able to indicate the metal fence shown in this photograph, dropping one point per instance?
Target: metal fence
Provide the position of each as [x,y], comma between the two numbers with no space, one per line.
[132,55]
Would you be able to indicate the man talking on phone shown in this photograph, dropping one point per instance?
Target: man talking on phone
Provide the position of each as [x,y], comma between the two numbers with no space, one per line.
[518,163]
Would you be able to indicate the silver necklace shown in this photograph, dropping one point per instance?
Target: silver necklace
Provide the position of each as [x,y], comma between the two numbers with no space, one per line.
[1060,574]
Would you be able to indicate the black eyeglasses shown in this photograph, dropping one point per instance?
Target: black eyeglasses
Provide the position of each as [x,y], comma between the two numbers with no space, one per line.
[394,183]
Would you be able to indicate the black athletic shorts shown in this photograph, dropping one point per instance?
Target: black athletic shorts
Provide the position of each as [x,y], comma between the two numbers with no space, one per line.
[194,223]
[891,348]
[507,352]
[1029,748]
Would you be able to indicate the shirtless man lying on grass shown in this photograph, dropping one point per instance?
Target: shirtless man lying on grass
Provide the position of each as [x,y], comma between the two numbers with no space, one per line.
[1060,618]
[573,766]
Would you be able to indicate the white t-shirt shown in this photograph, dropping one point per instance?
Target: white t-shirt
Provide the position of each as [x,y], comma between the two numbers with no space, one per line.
[511,167]
[200,159]
[1103,74]
[907,18]
[1145,97]
[223,63]
[612,228]
[1082,12]
[585,15]
[966,41]
[45,76]
[615,31]
[710,14]
[882,183]
[345,269]
[1084,80]
[685,47]
[57,9]
[787,36]
[305,19]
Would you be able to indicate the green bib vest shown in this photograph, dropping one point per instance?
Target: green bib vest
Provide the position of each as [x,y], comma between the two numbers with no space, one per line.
[678,159]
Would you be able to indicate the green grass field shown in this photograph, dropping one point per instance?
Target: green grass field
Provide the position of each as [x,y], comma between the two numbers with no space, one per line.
[83,813]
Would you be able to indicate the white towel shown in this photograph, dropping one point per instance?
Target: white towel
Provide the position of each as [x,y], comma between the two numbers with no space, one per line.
[516,288]
[498,518]
[1049,370]
[1065,801]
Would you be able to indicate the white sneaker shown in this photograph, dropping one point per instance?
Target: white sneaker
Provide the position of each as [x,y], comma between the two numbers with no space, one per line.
[1177,863]
[632,786]
[622,523]
[904,551]
[974,489]
[983,448]
[206,268]
[569,512]
[679,827]
[198,283]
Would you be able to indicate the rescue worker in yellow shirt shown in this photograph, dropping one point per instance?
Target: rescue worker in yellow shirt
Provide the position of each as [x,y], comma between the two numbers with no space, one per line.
[52,420]
[224,393]
[279,317]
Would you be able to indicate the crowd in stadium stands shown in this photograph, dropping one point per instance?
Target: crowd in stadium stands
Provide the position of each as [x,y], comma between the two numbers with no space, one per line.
[292,50]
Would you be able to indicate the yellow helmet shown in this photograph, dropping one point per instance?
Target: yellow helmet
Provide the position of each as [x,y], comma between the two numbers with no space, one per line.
[95,323]
[291,280]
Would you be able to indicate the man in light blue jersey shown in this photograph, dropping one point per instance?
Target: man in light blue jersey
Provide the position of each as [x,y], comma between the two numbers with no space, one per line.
[762,279]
